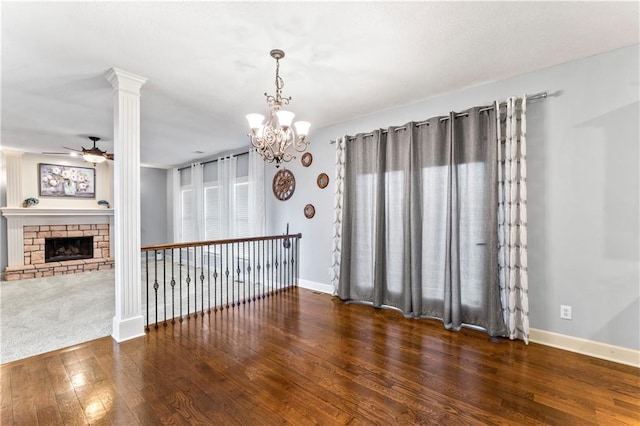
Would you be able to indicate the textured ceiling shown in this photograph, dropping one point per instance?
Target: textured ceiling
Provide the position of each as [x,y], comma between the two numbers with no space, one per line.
[208,63]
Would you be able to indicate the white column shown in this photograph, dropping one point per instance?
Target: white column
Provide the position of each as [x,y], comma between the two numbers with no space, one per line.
[13,180]
[128,321]
[112,247]
[13,167]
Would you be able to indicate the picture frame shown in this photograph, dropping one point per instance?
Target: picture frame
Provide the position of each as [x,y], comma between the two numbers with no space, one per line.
[55,180]
[307,159]
[309,211]
[323,180]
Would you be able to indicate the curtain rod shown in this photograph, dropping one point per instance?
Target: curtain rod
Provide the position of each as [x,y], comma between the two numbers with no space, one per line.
[214,160]
[540,95]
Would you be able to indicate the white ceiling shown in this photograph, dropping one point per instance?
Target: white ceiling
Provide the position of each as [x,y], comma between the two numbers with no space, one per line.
[208,63]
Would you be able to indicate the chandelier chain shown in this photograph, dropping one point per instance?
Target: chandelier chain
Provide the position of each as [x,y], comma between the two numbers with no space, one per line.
[277,101]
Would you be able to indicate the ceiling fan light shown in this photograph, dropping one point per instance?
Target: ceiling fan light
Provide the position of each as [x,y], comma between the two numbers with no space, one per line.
[92,158]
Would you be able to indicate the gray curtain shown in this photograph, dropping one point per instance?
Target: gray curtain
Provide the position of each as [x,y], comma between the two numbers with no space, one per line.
[419,220]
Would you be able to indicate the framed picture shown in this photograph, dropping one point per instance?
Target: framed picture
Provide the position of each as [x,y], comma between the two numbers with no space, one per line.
[323,180]
[66,181]
[307,159]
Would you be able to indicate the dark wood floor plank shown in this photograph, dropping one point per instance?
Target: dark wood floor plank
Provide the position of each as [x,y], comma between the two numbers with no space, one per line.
[298,357]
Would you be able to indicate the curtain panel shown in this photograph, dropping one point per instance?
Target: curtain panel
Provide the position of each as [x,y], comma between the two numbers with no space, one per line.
[419,220]
[226,206]
[512,216]
[256,203]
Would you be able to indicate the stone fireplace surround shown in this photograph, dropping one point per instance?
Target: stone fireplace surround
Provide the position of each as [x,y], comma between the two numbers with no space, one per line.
[28,227]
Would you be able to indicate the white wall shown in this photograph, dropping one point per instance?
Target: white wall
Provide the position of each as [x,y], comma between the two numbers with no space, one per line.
[153,197]
[30,179]
[584,191]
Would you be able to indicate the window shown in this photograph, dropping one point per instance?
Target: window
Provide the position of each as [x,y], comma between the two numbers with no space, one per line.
[217,207]
[187,210]
[212,226]
[241,217]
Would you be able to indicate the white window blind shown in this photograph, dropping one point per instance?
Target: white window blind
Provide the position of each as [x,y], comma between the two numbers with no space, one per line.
[213,227]
[241,216]
[187,212]
[220,201]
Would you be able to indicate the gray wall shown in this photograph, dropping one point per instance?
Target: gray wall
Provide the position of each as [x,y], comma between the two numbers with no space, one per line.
[584,189]
[153,206]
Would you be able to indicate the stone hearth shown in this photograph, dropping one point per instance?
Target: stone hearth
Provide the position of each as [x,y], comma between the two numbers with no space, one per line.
[27,229]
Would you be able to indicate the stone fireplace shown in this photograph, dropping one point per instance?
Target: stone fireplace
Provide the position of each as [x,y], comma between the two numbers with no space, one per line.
[31,241]
[59,249]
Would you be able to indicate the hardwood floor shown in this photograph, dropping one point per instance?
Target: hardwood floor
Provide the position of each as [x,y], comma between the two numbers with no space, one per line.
[305,358]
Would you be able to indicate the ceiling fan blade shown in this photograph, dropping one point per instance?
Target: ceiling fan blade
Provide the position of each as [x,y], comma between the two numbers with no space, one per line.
[72,149]
[108,156]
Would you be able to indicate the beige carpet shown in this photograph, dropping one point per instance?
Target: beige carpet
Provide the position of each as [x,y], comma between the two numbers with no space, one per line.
[44,314]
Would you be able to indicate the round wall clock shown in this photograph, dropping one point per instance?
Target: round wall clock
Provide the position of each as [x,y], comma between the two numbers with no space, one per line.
[323,180]
[284,183]
[307,159]
[309,211]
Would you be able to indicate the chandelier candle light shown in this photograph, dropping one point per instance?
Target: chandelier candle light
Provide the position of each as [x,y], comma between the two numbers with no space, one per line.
[274,137]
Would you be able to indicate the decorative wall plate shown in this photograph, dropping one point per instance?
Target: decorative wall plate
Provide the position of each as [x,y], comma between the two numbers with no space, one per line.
[309,211]
[307,159]
[323,180]
[284,184]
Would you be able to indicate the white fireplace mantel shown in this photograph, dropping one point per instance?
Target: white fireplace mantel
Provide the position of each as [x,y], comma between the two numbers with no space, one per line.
[43,212]
[19,217]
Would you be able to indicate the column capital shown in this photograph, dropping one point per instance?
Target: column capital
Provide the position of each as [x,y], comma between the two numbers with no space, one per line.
[123,80]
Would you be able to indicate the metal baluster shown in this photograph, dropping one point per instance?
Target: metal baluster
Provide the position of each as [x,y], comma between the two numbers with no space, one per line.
[194,310]
[164,284]
[260,272]
[245,264]
[180,276]
[295,268]
[265,292]
[147,272]
[215,280]
[188,286]
[202,280]
[209,278]
[194,281]
[285,267]
[226,273]
[252,288]
[155,283]
[173,287]
[234,278]
[238,273]
[276,270]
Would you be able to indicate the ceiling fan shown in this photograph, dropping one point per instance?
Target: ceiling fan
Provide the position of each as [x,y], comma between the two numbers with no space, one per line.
[91,155]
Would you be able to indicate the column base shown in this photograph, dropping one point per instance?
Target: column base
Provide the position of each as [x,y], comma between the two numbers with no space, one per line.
[127,329]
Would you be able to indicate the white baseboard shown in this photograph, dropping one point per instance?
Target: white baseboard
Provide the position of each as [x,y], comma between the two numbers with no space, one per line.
[586,347]
[316,286]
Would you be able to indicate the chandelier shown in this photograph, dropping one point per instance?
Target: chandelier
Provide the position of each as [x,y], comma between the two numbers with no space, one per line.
[274,138]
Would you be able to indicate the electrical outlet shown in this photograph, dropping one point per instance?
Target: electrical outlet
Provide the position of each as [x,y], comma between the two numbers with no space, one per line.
[565,312]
